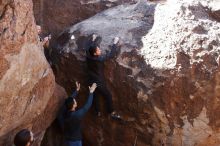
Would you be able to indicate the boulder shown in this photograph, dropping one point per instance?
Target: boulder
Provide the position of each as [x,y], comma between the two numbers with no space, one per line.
[27,82]
[165,82]
[54,16]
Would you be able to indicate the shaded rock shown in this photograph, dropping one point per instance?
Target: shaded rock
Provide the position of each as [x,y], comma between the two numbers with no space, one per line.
[50,113]
[55,16]
[130,21]
[166,77]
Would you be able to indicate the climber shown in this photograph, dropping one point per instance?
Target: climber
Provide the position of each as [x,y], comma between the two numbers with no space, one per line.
[44,40]
[72,118]
[60,117]
[24,138]
[95,64]
[45,43]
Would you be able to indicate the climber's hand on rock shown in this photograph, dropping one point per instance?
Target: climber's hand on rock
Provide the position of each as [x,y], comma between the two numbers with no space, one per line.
[116,40]
[46,39]
[94,36]
[92,88]
[49,36]
[77,86]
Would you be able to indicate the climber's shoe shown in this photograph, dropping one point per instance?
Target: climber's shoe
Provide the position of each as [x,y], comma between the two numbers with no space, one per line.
[98,114]
[115,116]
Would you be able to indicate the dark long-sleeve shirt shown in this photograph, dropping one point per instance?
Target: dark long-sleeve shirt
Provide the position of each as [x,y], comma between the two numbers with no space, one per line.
[60,117]
[74,94]
[95,65]
[72,121]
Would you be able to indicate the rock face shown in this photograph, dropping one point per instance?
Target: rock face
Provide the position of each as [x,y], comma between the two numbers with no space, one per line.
[55,16]
[165,81]
[215,9]
[27,82]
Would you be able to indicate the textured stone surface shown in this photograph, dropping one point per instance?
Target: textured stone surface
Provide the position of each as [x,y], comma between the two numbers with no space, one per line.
[215,9]
[55,16]
[165,81]
[27,82]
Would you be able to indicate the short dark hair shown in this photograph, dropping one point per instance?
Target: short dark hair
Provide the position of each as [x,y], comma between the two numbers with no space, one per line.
[69,103]
[22,137]
[92,49]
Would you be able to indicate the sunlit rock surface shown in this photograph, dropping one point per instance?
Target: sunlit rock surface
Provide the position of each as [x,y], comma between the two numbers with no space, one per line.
[27,83]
